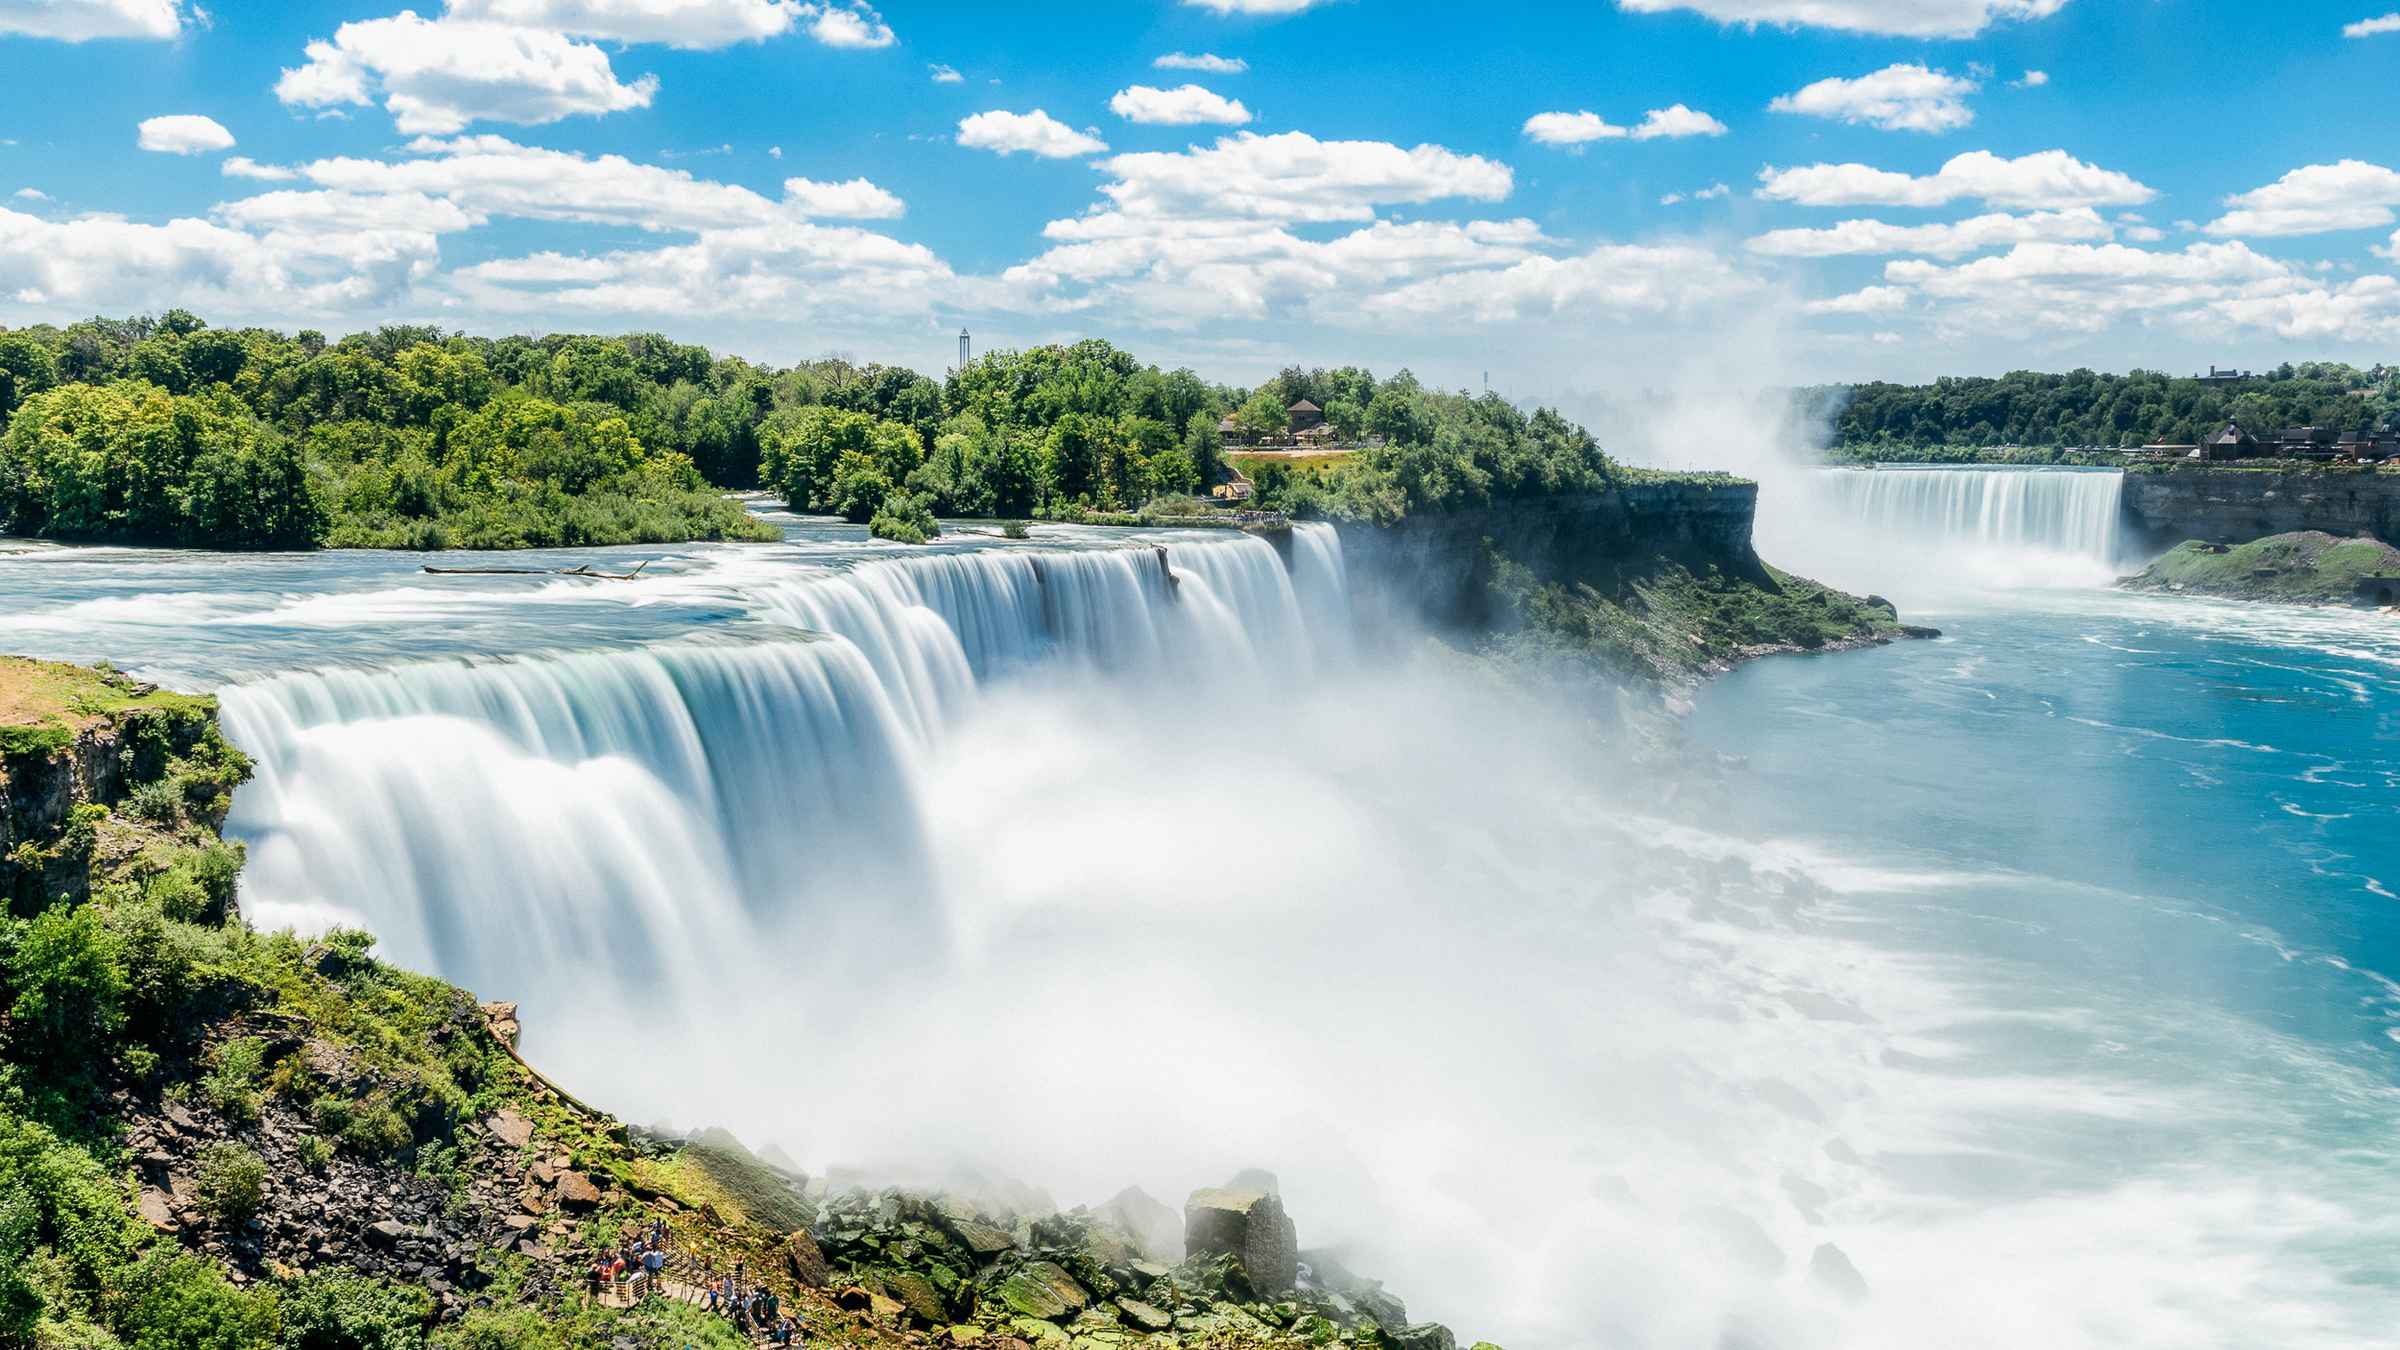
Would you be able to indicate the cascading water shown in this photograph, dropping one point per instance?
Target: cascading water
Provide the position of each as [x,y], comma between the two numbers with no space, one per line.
[1903,528]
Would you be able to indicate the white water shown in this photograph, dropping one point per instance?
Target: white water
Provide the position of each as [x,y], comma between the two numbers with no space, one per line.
[1029,862]
[1925,529]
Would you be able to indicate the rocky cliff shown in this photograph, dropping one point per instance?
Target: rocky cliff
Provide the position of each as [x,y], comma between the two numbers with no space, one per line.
[2229,505]
[1654,579]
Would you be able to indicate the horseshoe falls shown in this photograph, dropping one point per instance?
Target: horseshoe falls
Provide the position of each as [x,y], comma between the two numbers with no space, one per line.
[2033,986]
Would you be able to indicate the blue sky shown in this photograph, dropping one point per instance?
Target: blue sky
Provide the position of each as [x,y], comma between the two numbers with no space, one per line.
[1574,196]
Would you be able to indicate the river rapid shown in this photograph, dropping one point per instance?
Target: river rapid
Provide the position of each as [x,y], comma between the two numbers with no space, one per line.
[2025,987]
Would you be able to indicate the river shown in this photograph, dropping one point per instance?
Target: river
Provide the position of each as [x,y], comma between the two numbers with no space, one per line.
[2022,987]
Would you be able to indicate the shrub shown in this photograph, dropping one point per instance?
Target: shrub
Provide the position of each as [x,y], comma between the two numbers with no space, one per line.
[1016,529]
[170,1301]
[349,1312]
[68,971]
[316,1153]
[233,1183]
[231,1085]
[905,518]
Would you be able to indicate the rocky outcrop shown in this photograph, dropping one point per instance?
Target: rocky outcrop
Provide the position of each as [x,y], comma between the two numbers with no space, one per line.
[1250,1226]
[2308,568]
[2166,506]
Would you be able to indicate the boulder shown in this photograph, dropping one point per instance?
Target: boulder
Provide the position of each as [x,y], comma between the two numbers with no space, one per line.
[916,1294]
[1142,1316]
[978,1237]
[388,1233]
[806,1259]
[1425,1336]
[1251,1227]
[1154,1228]
[511,1129]
[1043,1290]
[576,1192]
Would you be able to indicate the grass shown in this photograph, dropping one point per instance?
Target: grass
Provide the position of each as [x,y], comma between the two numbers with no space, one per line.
[2303,568]
[43,704]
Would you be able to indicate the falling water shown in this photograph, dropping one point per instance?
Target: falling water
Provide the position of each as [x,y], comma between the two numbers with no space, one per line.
[1894,527]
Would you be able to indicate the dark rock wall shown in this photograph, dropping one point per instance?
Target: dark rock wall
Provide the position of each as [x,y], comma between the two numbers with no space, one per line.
[2235,506]
[1433,566]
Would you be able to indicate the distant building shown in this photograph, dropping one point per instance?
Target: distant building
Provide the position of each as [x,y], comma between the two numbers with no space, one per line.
[2216,376]
[2231,443]
[1306,416]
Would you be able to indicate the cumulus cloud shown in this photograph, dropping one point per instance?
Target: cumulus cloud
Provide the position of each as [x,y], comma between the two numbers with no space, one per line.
[694,24]
[185,134]
[1582,128]
[437,76]
[2089,287]
[1187,105]
[1868,300]
[1266,7]
[1035,133]
[1296,177]
[852,26]
[1895,98]
[945,74]
[1612,279]
[108,263]
[1951,240]
[2046,180]
[86,20]
[242,166]
[856,199]
[1896,18]
[2032,79]
[2348,195]
[2389,23]
[1207,63]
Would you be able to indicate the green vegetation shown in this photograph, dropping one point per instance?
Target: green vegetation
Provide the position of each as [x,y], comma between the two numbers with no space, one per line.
[1662,619]
[167,431]
[2308,568]
[2038,412]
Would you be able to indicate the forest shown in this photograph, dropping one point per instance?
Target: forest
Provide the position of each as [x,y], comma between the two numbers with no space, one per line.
[168,431]
[2085,409]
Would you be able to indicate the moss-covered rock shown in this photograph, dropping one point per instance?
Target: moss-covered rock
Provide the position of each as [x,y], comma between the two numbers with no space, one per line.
[1041,1289]
[2306,568]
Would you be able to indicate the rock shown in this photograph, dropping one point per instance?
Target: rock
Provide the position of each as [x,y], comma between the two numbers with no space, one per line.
[1143,1316]
[1043,1290]
[1250,1226]
[1154,1228]
[502,1019]
[964,1335]
[978,1237]
[806,1259]
[576,1192]
[1425,1336]
[884,1308]
[1831,1268]
[388,1233]
[511,1129]
[852,1299]
[917,1295]
[157,1208]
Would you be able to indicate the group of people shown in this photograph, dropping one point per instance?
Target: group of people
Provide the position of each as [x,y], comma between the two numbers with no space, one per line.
[638,1266]
[756,1308]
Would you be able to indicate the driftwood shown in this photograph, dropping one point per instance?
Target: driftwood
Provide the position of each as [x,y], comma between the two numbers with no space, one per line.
[584,570]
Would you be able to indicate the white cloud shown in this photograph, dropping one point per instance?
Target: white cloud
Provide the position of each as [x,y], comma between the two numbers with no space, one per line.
[826,275]
[774,152]
[242,166]
[1035,133]
[945,74]
[852,26]
[1296,177]
[2349,195]
[2088,287]
[1188,105]
[2049,179]
[97,262]
[85,20]
[1895,98]
[437,76]
[856,199]
[1207,63]
[1897,18]
[694,24]
[27,194]
[1612,279]
[1869,300]
[2032,79]
[1581,128]
[1939,241]
[1255,6]
[2389,23]
[185,134]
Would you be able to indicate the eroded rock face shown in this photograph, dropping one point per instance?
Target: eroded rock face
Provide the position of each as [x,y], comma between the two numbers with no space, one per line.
[1251,1227]
[807,1260]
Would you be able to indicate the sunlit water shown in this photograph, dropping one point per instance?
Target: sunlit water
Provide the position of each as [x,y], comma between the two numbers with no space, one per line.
[2039,971]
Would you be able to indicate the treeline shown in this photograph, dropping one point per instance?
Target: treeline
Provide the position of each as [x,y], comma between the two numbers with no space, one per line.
[168,431]
[2085,409]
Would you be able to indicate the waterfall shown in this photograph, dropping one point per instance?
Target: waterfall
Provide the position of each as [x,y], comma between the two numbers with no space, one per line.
[1894,528]
[578,828]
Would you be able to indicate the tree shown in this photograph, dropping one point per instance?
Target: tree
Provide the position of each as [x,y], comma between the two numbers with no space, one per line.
[69,989]
[1265,414]
[26,368]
